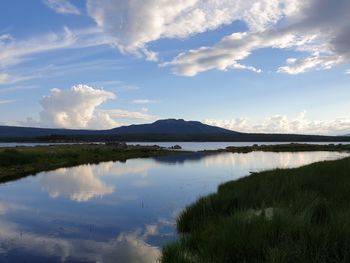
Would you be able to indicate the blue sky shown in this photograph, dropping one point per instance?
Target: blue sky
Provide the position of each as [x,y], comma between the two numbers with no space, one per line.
[254,66]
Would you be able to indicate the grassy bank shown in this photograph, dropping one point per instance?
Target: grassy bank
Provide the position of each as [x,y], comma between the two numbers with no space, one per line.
[290,215]
[22,161]
[290,147]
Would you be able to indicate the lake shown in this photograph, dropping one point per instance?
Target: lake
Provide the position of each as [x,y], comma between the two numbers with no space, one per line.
[188,146]
[118,211]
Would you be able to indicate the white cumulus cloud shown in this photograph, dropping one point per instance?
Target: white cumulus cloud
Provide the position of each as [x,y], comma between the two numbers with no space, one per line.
[72,108]
[319,29]
[283,124]
[78,107]
[134,24]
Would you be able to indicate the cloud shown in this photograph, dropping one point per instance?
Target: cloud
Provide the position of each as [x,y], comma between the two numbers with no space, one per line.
[141,101]
[347,71]
[123,114]
[62,7]
[77,107]
[315,28]
[283,124]
[72,108]
[134,24]
[6,101]
[11,79]
[14,51]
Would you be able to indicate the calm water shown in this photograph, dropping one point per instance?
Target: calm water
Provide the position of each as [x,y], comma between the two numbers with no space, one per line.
[117,212]
[189,146]
[200,146]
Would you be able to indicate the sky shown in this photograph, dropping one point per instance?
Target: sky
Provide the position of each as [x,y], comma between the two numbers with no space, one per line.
[246,65]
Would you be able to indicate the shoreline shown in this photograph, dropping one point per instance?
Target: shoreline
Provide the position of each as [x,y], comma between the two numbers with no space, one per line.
[18,162]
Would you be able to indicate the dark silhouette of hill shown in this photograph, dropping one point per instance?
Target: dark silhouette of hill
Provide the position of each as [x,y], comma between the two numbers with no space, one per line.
[168,126]
[171,126]
[161,130]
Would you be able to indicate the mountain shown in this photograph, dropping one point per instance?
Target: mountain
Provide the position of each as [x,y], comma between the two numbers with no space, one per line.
[171,126]
[168,126]
[161,130]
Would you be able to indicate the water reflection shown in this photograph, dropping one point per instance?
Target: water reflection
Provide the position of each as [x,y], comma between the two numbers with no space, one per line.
[127,247]
[83,183]
[117,211]
[78,183]
[269,160]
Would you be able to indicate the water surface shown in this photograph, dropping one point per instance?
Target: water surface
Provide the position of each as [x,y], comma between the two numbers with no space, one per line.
[115,211]
[188,146]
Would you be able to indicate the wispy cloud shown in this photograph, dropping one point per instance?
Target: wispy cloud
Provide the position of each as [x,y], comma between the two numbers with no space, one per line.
[6,79]
[14,51]
[19,87]
[142,101]
[6,101]
[62,7]
[124,114]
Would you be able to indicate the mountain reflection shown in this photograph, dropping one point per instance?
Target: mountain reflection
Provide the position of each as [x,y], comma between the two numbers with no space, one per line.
[182,158]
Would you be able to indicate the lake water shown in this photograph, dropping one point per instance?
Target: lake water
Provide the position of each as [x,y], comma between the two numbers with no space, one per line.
[188,146]
[117,211]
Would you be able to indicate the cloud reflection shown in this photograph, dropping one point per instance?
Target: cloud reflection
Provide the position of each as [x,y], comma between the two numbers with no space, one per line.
[127,247]
[83,183]
[77,183]
[269,160]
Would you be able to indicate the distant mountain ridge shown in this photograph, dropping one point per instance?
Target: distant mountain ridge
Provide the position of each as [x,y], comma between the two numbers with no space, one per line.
[171,126]
[167,126]
[161,130]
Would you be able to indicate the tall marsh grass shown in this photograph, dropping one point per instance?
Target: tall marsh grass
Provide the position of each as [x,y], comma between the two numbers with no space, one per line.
[308,219]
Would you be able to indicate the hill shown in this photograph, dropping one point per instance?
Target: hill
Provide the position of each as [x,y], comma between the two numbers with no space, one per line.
[171,126]
[168,126]
[161,130]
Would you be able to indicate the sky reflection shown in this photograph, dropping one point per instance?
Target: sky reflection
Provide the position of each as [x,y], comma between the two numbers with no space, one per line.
[117,211]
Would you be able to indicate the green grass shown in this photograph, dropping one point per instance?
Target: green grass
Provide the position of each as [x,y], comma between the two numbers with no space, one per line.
[22,161]
[290,215]
[290,147]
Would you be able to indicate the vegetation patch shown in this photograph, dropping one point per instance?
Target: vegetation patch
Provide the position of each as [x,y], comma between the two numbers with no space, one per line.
[22,161]
[283,215]
[289,147]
